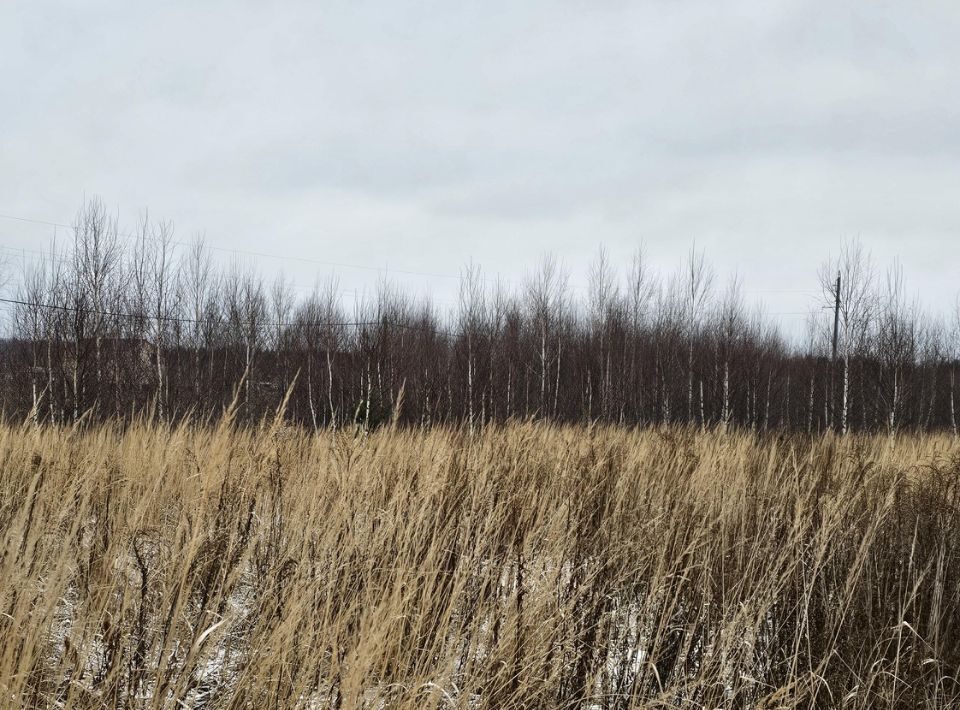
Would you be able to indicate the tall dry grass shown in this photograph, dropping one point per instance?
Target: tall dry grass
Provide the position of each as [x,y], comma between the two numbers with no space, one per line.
[524,566]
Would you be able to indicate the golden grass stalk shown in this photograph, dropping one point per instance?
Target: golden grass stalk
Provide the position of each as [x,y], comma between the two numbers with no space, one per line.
[528,565]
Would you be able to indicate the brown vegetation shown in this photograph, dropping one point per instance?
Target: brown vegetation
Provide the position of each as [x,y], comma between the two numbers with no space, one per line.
[528,565]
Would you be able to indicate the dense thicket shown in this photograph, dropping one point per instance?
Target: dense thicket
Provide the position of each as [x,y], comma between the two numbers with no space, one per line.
[118,323]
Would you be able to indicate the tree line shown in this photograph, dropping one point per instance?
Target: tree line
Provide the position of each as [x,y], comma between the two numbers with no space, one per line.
[116,324]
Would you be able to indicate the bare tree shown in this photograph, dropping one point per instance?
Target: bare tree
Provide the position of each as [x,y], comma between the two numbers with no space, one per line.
[546,293]
[54,326]
[197,286]
[246,313]
[471,316]
[163,304]
[603,311]
[320,321]
[731,328]
[856,306]
[281,306]
[96,257]
[642,289]
[30,324]
[110,327]
[698,280]
[954,356]
[895,343]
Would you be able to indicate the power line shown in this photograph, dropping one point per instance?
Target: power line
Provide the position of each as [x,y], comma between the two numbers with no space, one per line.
[258,254]
[781,290]
[41,255]
[320,262]
[35,255]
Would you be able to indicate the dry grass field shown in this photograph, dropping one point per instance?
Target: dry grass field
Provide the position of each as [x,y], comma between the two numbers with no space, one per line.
[535,566]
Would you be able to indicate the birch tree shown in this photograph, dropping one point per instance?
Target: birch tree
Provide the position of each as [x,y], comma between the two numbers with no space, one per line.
[470,322]
[197,286]
[954,356]
[602,301]
[642,289]
[162,305]
[731,327]
[896,344]
[855,269]
[697,282]
[96,255]
[546,293]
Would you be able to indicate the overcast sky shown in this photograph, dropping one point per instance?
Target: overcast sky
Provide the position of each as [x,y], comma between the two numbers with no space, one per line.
[419,135]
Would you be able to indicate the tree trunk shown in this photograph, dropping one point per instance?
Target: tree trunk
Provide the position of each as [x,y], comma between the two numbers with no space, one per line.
[785,412]
[953,411]
[892,419]
[846,394]
[53,416]
[470,382]
[313,411]
[333,411]
[726,392]
[703,417]
[160,403]
[556,389]
[766,404]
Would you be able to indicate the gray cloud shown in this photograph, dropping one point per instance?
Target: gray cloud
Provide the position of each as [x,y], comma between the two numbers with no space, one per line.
[421,134]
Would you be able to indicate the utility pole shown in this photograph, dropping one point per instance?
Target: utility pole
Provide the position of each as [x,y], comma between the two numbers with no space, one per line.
[833,357]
